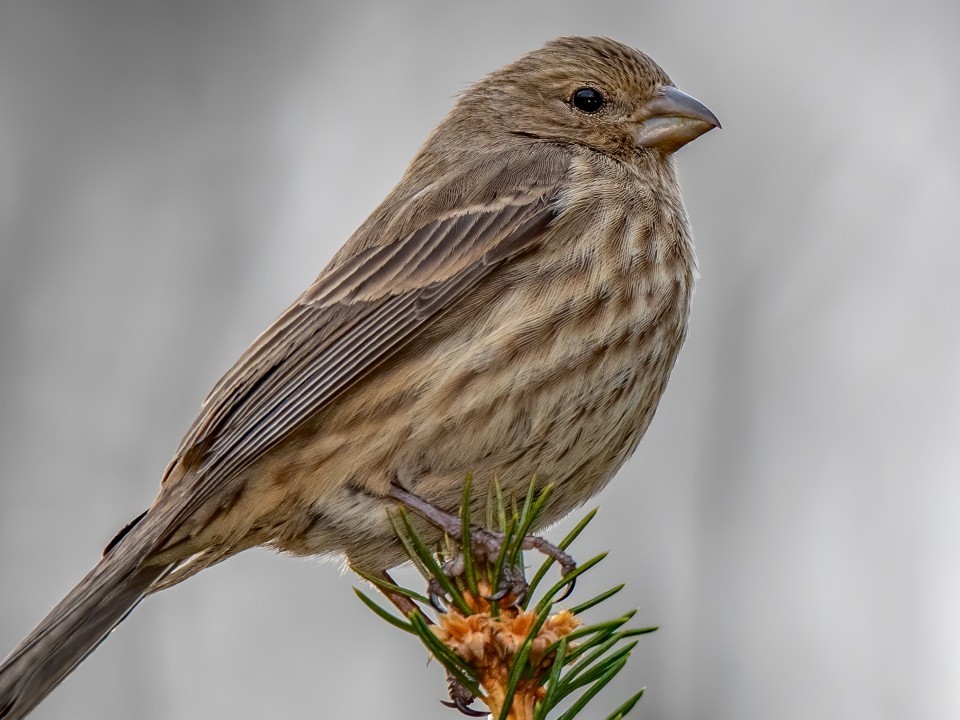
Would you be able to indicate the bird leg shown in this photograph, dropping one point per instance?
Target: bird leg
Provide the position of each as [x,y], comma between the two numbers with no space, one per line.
[486,546]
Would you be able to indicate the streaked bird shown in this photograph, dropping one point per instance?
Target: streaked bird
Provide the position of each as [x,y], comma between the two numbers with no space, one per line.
[513,309]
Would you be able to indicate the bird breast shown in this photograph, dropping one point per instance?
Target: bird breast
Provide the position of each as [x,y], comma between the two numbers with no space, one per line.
[553,369]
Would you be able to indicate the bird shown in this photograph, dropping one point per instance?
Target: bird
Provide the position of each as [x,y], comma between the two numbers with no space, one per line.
[511,310]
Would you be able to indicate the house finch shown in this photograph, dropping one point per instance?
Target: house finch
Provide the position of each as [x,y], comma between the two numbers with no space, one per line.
[512,309]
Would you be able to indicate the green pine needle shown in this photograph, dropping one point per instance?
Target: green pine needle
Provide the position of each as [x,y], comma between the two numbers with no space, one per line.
[469,565]
[593,602]
[621,712]
[592,692]
[552,682]
[390,587]
[389,617]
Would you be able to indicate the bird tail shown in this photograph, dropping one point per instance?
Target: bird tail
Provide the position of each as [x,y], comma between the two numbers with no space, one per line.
[77,625]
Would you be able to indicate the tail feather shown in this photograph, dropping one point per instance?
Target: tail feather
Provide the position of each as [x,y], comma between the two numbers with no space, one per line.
[72,630]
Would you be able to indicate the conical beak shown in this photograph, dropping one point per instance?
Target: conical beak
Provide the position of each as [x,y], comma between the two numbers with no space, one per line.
[672,119]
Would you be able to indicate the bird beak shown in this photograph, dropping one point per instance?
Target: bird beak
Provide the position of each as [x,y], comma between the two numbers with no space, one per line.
[672,119]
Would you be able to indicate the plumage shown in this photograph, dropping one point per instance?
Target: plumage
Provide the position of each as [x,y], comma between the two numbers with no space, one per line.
[512,309]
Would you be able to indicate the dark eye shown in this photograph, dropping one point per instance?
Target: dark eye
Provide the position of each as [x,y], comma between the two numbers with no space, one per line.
[587,99]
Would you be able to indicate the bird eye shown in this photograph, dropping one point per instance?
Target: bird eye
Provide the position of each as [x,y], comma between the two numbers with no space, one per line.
[587,99]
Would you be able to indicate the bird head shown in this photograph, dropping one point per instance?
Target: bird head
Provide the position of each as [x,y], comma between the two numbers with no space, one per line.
[589,91]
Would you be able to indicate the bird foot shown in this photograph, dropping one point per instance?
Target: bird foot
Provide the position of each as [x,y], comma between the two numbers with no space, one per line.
[485,546]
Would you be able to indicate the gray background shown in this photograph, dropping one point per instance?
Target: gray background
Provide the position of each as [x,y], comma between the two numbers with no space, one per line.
[173,173]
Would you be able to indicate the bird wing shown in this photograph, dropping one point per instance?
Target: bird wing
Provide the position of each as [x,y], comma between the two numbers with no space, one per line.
[399,273]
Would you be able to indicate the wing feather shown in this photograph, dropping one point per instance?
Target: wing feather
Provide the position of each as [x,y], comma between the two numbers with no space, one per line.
[361,311]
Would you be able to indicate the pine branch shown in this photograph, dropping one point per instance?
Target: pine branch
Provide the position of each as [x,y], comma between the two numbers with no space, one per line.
[522,660]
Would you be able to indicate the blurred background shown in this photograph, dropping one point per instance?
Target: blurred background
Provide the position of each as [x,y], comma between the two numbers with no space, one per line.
[172,174]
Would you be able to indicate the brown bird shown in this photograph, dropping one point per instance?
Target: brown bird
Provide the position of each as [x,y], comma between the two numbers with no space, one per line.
[513,309]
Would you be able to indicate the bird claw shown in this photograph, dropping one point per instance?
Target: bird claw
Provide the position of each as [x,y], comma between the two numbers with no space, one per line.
[512,584]
[461,698]
[569,591]
[437,596]
[464,708]
[498,595]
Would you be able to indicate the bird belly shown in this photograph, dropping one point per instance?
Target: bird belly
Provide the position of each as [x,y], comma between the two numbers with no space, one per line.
[555,380]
